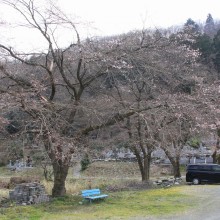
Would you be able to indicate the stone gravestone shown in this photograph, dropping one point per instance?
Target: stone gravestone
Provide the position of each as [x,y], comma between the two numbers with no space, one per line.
[19,165]
[29,193]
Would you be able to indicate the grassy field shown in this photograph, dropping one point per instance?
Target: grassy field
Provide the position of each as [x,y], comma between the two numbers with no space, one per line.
[119,205]
[115,179]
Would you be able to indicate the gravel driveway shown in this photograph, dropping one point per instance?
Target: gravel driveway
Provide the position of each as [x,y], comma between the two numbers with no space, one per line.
[208,208]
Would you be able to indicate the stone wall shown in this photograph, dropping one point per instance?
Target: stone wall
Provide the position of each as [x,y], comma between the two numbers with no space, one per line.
[29,193]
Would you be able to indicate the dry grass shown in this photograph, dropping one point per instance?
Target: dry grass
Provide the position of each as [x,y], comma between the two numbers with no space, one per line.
[4,193]
[129,170]
[122,177]
[104,175]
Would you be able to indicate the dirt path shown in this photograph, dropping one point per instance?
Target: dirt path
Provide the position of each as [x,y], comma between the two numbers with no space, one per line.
[209,203]
[208,208]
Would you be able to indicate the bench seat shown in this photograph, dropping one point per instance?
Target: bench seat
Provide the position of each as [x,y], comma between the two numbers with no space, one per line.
[93,194]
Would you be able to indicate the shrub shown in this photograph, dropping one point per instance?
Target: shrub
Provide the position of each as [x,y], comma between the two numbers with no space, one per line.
[85,162]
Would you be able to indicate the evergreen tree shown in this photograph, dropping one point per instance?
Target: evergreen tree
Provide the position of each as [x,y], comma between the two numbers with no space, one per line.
[204,44]
[191,26]
[216,47]
[216,42]
[209,28]
[190,33]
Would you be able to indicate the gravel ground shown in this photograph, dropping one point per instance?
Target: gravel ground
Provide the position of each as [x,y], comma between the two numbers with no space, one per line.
[208,208]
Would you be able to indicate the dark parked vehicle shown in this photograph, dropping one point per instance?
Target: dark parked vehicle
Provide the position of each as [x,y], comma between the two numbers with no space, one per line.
[197,173]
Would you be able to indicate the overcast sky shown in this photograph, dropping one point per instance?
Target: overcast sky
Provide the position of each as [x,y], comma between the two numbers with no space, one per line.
[109,17]
[117,16]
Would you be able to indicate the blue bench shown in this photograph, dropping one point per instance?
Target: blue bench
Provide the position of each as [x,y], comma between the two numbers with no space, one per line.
[93,194]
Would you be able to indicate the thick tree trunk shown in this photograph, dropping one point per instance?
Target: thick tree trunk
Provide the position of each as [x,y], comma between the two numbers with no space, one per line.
[176,168]
[214,156]
[60,165]
[175,161]
[144,166]
[60,174]
[143,163]
[140,164]
[146,171]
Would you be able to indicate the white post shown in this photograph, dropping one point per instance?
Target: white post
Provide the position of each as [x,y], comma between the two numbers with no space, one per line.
[194,161]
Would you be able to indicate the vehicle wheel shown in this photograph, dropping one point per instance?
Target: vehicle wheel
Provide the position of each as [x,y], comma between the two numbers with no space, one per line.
[196,181]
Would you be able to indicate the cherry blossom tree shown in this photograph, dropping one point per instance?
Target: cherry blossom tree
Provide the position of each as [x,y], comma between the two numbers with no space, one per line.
[56,88]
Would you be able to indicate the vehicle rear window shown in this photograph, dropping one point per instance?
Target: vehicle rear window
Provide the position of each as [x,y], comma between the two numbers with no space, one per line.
[205,167]
[192,167]
[200,167]
[216,168]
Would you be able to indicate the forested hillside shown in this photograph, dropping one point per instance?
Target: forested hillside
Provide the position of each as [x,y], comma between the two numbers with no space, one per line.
[142,90]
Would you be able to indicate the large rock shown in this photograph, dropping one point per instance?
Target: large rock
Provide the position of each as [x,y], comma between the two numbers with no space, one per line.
[29,193]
